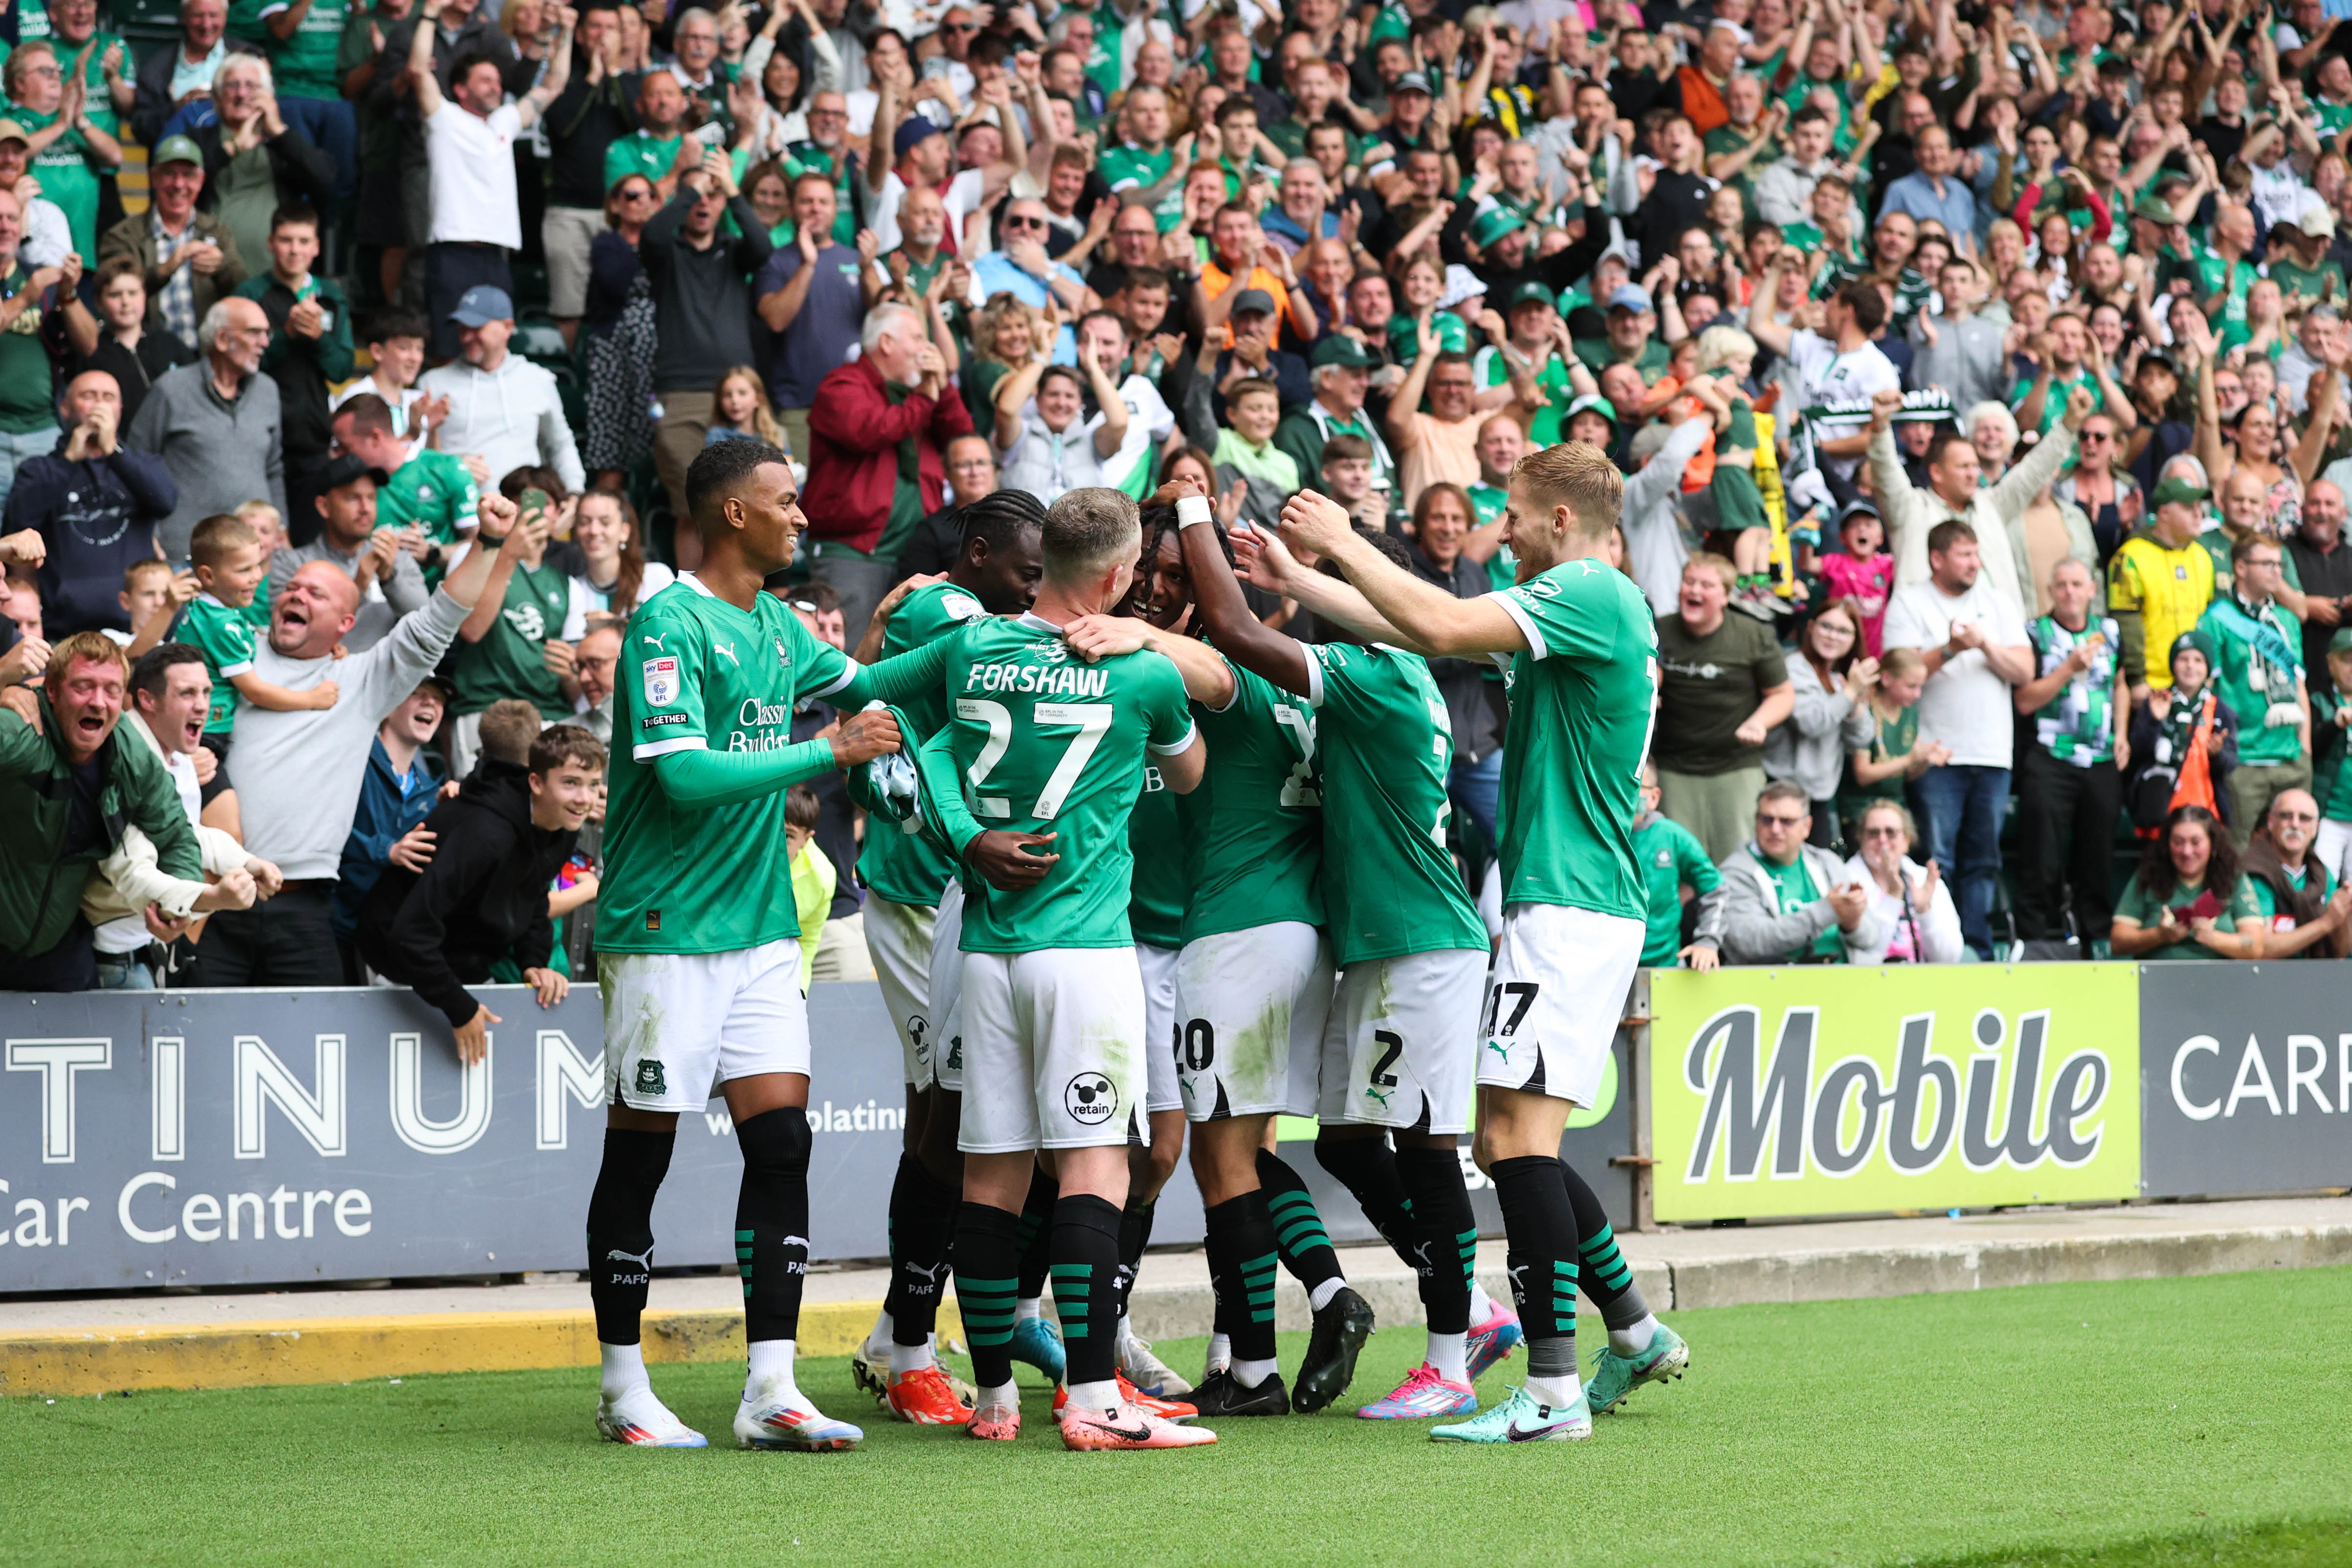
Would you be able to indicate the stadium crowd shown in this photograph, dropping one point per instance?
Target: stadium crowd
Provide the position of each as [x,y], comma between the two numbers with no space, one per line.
[1979,374]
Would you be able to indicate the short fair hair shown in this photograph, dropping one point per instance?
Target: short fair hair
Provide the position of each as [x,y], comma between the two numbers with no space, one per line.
[84,648]
[879,320]
[1091,530]
[1576,477]
[1718,346]
[507,730]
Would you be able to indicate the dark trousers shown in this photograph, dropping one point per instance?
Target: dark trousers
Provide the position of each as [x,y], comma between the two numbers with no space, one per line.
[288,941]
[449,271]
[2055,802]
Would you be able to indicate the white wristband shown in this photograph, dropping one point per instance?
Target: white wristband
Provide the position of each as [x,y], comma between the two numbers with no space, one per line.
[1191,509]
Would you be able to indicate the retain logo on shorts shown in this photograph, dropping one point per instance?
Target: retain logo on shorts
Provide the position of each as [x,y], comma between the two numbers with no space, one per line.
[1091,1099]
[649,1078]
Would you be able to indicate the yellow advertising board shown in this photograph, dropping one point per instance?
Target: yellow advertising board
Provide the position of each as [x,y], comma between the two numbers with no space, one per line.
[1827,1090]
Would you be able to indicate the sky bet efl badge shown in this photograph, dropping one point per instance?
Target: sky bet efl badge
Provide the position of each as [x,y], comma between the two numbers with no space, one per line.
[661,682]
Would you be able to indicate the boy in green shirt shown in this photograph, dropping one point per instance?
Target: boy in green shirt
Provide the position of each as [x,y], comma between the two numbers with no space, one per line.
[1670,859]
[227,555]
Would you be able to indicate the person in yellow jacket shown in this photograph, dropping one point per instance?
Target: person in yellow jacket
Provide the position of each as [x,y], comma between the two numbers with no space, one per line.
[2161,580]
[813,874]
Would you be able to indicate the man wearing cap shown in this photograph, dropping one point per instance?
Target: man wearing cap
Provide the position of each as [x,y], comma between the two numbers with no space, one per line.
[2299,263]
[1528,360]
[390,582]
[47,236]
[1503,246]
[920,155]
[215,423]
[501,405]
[188,258]
[1631,341]
[470,136]
[1253,358]
[2160,579]
[1340,370]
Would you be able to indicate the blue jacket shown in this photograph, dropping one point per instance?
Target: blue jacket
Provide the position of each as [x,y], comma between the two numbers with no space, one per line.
[97,515]
[386,812]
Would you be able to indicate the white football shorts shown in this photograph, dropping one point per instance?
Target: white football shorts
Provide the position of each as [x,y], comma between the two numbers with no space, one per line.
[1251,1006]
[679,1025]
[1053,1050]
[1401,1049]
[1562,977]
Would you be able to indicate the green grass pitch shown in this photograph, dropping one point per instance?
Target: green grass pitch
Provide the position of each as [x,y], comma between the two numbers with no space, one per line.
[2139,1425]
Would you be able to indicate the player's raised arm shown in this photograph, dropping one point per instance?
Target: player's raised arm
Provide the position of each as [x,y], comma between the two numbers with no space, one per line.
[1429,617]
[1238,634]
[1263,559]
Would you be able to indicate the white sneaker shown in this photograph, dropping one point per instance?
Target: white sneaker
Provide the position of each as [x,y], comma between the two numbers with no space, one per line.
[634,1416]
[1147,1370]
[780,1416]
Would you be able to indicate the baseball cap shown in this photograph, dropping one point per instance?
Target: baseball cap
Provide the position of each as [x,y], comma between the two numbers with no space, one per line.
[1590,402]
[1412,81]
[1860,507]
[2317,222]
[2155,209]
[1340,348]
[913,131]
[1534,293]
[2173,490]
[341,471]
[2342,642]
[1253,299]
[12,131]
[171,149]
[1629,297]
[481,305]
[1493,224]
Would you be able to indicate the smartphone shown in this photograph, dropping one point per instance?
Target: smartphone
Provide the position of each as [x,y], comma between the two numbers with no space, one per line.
[534,503]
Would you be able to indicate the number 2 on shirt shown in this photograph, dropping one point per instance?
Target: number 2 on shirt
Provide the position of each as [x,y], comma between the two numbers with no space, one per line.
[1093,721]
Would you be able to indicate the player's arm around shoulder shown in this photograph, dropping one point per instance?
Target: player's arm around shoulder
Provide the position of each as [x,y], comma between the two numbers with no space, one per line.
[1207,678]
[1432,618]
[1175,742]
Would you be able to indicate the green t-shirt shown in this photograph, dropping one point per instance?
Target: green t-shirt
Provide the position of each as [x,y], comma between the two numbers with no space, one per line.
[639,153]
[2251,672]
[67,178]
[1896,737]
[909,867]
[2078,724]
[1487,504]
[2325,282]
[435,491]
[1253,839]
[508,661]
[1383,745]
[1712,684]
[1128,165]
[2138,904]
[1048,745]
[2331,779]
[25,402]
[1493,370]
[303,64]
[1793,889]
[2210,270]
[1581,695]
[697,673]
[1598,354]
[2054,403]
[1155,904]
[225,637]
[1670,856]
[2267,901]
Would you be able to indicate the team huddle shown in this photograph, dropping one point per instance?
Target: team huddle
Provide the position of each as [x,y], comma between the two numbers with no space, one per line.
[1137,865]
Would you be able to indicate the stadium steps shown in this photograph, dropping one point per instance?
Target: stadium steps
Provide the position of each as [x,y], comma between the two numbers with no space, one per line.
[90,1345]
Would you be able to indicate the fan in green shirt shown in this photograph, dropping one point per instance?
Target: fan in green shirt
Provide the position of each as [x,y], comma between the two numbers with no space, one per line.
[2168,910]
[303,38]
[1670,859]
[433,492]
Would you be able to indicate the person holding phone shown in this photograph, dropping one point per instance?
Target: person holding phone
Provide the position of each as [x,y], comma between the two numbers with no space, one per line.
[503,650]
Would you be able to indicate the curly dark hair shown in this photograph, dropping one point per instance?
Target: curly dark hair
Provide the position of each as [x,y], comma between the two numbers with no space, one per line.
[2158,878]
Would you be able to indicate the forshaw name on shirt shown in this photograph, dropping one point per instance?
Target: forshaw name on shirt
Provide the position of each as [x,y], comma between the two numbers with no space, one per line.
[1066,679]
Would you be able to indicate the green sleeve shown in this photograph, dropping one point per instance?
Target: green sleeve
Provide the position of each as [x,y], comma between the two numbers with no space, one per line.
[335,352]
[1692,864]
[23,750]
[2243,904]
[894,680]
[702,780]
[944,791]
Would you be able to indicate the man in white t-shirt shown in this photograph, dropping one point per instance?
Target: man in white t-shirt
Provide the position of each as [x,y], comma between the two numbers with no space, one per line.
[1838,368]
[1974,644]
[469,144]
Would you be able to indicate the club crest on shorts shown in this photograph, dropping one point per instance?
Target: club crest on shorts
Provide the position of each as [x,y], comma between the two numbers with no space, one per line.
[649,1078]
[1090,1098]
[661,682]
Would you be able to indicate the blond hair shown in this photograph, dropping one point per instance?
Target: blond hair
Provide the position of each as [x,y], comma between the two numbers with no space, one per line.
[1719,346]
[1578,476]
[763,415]
[1722,567]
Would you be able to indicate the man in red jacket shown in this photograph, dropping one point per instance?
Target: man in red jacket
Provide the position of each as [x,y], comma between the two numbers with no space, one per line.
[877,435]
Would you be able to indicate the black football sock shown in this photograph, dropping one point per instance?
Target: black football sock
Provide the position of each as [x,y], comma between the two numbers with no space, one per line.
[1086,1292]
[922,1229]
[987,1271]
[621,1229]
[1607,1277]
[1304,1247]
[771,1221]
[1541,1227]
[1367,1167]
[1035,1235]
[1242,1263]
[1446,1233]
[1134,1235]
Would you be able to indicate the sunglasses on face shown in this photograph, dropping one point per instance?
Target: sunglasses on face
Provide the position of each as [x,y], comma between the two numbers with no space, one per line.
[1764,821]
[1022,222]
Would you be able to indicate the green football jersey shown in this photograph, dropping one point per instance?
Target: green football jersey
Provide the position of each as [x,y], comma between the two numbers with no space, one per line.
[1156,897]
[303,65]
[435,491]
[1382,747]
[1253,833]
[1127,165]
[225,637]
[697,674]
[1048,745]
[1583,696]
[509,662]
[901,866]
